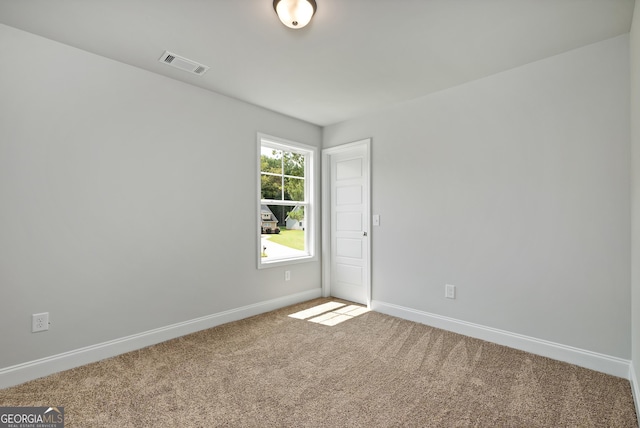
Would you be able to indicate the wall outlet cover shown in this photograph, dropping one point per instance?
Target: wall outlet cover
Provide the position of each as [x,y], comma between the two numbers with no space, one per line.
[40,322]
[450,291]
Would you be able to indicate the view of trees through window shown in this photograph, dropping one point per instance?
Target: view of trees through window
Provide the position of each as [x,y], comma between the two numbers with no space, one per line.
[282,175]
[284,202]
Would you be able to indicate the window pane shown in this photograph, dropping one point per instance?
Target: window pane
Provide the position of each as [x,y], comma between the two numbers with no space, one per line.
[293,189]
[284,236]
[271,160]
[293,164]
[269,222]
[271,187]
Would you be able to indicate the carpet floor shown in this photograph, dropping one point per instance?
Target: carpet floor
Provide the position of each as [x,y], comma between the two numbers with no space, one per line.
[371,370]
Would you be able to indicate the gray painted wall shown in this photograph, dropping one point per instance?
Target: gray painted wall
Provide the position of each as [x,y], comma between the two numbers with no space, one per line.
[635,185]
[114,183]
[515,188]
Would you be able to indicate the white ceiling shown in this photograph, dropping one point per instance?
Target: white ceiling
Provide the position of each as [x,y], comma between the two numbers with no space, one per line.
[356,56]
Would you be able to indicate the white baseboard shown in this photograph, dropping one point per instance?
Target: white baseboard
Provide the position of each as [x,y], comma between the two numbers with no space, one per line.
[635,389]
[24,372]
[592,360]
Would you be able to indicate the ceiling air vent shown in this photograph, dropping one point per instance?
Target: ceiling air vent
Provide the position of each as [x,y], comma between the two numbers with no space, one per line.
[183,63]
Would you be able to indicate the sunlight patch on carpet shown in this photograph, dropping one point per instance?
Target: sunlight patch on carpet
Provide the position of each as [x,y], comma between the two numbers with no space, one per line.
[331,313]
[317,310]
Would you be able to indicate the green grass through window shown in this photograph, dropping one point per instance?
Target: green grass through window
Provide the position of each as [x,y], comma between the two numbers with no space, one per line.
[289,238]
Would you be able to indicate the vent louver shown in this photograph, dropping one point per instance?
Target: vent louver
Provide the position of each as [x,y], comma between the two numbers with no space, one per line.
[183,63]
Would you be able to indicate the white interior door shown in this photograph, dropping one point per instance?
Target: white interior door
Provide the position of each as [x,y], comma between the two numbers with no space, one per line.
[348,273]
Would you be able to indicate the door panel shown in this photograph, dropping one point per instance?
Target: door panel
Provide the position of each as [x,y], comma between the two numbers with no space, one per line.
[350,276]
[351,168]
[349,195]
[348,221]
[346,247]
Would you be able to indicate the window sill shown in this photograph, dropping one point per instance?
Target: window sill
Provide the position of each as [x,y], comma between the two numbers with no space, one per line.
[285,262]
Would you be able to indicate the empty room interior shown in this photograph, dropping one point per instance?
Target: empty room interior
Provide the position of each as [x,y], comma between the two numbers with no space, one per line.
[156,155]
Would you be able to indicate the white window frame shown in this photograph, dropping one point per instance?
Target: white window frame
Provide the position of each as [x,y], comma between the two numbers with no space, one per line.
[310,153]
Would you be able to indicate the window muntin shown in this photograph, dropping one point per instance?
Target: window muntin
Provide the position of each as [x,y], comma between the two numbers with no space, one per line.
[285,229]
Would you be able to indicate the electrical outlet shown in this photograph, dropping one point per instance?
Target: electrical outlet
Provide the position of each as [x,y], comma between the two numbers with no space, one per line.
[287,275]
[39,322]
[450,291]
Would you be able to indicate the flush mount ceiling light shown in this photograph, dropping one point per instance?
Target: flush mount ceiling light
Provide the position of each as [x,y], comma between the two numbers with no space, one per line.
[295,13]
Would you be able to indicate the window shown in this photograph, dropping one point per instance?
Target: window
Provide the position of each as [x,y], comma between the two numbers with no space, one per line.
[285,229]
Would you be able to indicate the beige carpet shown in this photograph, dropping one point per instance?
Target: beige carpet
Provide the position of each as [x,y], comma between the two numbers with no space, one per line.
[372,370]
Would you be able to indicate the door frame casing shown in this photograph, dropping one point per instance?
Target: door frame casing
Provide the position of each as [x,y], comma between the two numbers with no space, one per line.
[326,214]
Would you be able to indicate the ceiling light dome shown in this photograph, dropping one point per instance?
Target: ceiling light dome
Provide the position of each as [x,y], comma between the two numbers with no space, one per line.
[295,13]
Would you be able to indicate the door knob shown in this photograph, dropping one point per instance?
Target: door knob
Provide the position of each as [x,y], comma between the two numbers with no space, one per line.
[364,233]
